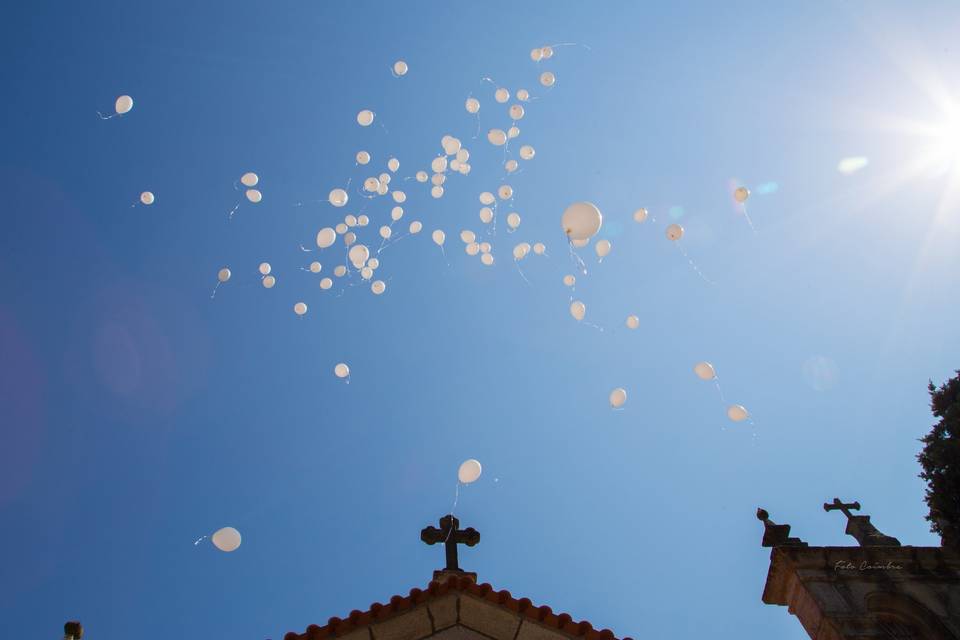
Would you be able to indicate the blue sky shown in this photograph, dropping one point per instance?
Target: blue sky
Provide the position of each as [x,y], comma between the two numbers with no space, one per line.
[137,415]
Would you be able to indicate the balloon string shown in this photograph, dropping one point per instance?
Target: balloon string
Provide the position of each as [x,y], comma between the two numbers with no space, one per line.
[694,265]
[199,540]
[217,286]
[103,117]
[716,381]
[456,498]
[749,221]
[578,262]
[302,248]
[594,326]
[522,274]
[232,211]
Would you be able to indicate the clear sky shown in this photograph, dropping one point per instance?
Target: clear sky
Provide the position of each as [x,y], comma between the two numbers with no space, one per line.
[137,414]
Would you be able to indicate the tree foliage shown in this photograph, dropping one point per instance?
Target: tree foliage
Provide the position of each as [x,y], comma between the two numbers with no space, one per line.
[940,459]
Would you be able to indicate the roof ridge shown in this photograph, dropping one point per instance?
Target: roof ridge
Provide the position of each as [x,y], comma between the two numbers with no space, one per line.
[563,622]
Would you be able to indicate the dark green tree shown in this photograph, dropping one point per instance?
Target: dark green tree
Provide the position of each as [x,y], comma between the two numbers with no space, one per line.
[940,459]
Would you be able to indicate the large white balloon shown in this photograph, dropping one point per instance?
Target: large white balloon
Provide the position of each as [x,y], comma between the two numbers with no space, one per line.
[363,157]
[358,255]
[737,413]
[254,196]
[223,275]
[439,237]
[268,282]
[569,280]
[513,220]
[523,95]
[422,176]
[704,371]
[472,248]
[674,232]
[338,197]
[436,191]
[469,471]
[547,52]
[341,370]
[226,539]
[147,198]
[326,283]
[300,308]
[249,179]
[487,198]
[520,251]
[547,78]
[386,232]
[536,54]
[400,68]
[378,287]
[487,259]
[516,112]
[603,248]
[326,237]
[371,184]
[472,105]
[578,310]
[581,221]
[741,194]
[123,104]
[416,226]
[393,164]
[501,95]
[365,118]
[527,152]
[617,397]
[486,215]
[467,236]
[640,215]
[315,267]
[505,192]
[497,137]
[633,322]
[264,268]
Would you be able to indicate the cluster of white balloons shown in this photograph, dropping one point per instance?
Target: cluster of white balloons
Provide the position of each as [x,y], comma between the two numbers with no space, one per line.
[705,371]
[250,180]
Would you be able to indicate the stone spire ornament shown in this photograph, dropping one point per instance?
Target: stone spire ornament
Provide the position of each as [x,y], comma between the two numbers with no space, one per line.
[859,526]
[451,535]
[776,535]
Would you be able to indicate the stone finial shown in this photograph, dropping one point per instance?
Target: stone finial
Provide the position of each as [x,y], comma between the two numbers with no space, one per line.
[859,527]
[72,630]
[776,535]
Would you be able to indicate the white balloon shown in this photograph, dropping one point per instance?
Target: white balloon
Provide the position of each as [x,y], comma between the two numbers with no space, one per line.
[467,236]
[741,194]
[472,105]
[464,168]
[315,267]
[249,179]
[436,191]
[737,413]
[438,179]
[469,471]
[602,248]
[363,157]
[341,370]
[705,371]
[505,192]
[511,165]
[536,54]
[366,273]
[123,104]
[226,539]
[350,220]
[396,213]
[358,255]
[579,244]
[674,232]
[399,196]
[617,397]
[451,146]
[523,95]
[386,232]
[400,68]
[339,271]
[569,280]
[527,152]
[633,322]
[223,275]
[462,154]
[326,237]
[254,196]
[516,112]
[422,176]
[578,310]
[363,220]
[264,268]
[439,164]
[455,165]
[384,178]
[300,308]
[487,259]
[147,198]
[326,283]
[439,237]
[513,220]
[487,198]
[341,228]
[371,184]
[581,221]
[365,118]
[513,132]
[472,249]
[378,287]
[485,247]
[547,78]
[338,197]
[416,226]
[349,238]
[393,164]
[497,137]
[382,190]
[640,215]
[547,52]
[486,215]
[520,251]
[501,95]
[539,248]
[268,282]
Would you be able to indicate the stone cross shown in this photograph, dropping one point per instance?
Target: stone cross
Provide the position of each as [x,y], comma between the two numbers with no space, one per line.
[859,526]
[451,535]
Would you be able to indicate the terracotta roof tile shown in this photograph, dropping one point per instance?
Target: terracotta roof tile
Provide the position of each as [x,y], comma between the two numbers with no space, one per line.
[337,627]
